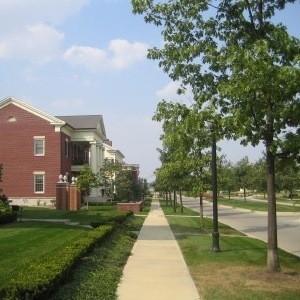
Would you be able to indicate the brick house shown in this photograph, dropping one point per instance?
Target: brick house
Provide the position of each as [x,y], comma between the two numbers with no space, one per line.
[35,148]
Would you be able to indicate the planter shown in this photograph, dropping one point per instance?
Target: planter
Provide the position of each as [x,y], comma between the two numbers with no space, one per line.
[134,206]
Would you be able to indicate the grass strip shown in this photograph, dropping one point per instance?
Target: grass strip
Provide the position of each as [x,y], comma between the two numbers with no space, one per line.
[240,270]
[98,274]
[256,206]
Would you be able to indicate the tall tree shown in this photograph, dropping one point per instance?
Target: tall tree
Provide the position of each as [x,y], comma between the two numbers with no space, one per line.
[231,54]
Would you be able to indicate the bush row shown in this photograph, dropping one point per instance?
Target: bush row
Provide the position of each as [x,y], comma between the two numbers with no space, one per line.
[42,277]
[117,219]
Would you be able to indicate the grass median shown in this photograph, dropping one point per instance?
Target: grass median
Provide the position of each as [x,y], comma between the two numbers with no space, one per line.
[256,206]
[239,271]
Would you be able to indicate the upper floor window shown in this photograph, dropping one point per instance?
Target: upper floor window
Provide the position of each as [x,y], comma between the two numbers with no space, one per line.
[39,145]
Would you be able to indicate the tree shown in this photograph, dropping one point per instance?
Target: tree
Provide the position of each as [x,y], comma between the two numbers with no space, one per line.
[242,173]
[227,180]
[228,52]
[259,175]
[124,185]
[86,180]
[107,176]
[288,178]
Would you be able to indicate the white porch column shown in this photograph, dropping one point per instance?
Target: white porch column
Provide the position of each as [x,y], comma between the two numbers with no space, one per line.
[93,163]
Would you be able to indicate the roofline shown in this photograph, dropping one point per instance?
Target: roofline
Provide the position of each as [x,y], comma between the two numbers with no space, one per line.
[11,100]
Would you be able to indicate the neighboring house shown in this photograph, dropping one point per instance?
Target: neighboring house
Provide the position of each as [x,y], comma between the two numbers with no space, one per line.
[111,155]
[35,148]
[115,156]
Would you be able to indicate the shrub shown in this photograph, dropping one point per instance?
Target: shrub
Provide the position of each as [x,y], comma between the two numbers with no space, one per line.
[42,277]
[6,213]
[117,219]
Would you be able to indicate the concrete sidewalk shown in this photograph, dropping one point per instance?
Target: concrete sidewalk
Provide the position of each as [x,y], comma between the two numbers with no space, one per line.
[156,269]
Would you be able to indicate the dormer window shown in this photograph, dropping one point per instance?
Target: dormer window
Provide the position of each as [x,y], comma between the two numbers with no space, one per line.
[11,119]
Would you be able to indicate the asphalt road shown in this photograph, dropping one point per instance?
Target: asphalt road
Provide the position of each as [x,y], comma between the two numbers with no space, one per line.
[254,224]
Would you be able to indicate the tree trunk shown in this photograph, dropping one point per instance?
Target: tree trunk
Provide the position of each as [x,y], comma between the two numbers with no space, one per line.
[166,198]
[229,194]
[201,212]
[181,204]
[273,259]
[170,197]
[244,194]
[175,201]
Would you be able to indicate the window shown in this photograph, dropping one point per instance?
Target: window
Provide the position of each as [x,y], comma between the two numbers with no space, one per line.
[39,145]
[39,182]
[11,119]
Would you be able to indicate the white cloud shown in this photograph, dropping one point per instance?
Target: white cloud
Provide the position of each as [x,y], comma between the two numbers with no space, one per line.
[88,57]
[125,53]
[119,55]
[169,93]
[39,43]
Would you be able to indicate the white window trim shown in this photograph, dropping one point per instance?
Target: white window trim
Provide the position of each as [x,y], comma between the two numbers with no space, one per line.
[34,145]
[39,173]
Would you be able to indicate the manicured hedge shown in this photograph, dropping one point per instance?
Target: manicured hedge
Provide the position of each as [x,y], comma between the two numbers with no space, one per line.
[41,278]
[117,219]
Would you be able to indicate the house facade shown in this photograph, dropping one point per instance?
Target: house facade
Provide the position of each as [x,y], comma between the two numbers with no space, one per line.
[36,148]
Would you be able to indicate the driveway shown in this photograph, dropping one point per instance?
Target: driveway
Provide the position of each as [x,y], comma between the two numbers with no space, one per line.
[254,224]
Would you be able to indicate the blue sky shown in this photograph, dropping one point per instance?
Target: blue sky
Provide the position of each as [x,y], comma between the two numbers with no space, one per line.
[71,57]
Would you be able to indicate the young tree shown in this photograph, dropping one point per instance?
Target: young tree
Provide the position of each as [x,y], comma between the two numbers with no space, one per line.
[86,180]
[124,185]
[259,175]
[231,54]
[227,180]
[242,173]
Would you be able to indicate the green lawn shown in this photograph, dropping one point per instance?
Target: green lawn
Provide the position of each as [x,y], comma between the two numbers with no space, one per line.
[239,271]
[258,206]
[104,213]
[24,242]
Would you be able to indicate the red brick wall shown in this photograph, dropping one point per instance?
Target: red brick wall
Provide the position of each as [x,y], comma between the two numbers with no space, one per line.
[17,153]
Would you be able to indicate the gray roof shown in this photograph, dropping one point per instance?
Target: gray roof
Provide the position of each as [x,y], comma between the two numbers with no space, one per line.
[82,122]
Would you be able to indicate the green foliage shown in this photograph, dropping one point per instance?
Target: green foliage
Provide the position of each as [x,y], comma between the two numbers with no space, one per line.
[127,187]
[43,277]
[242,67]
[86,180]
[107,177]
[117,219]
[6,213]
